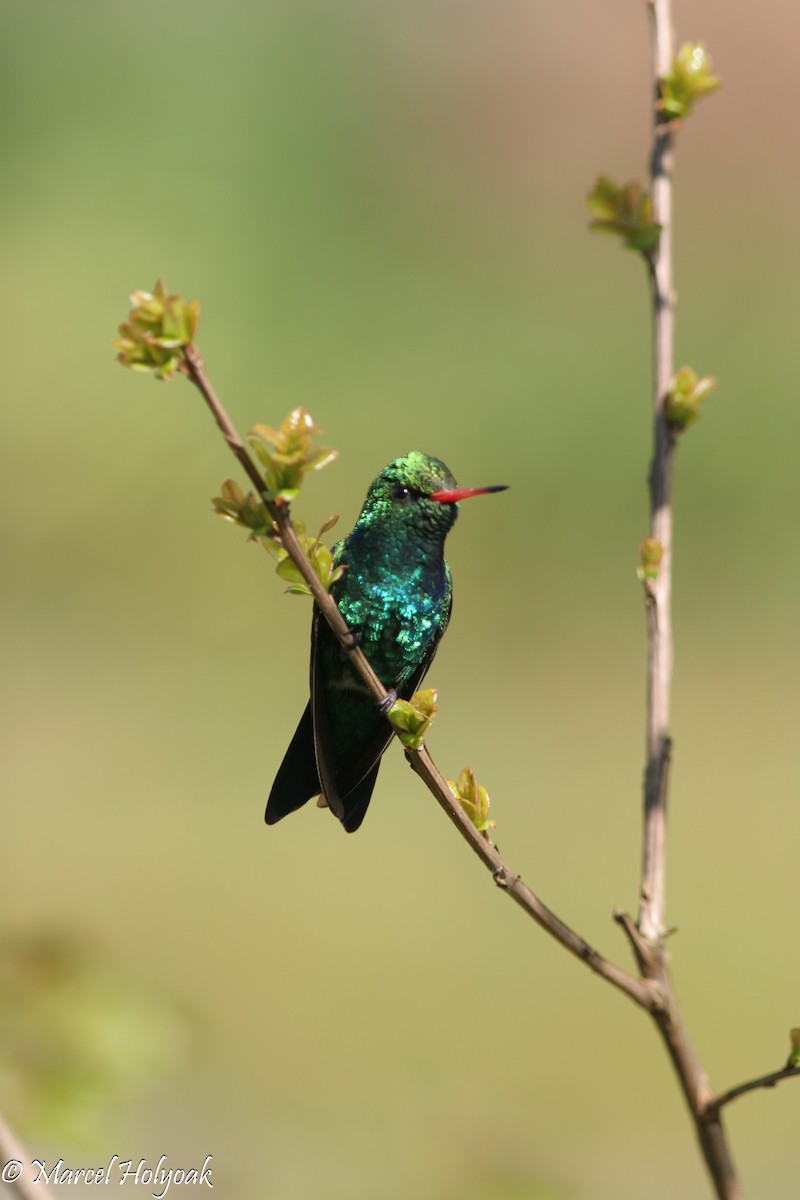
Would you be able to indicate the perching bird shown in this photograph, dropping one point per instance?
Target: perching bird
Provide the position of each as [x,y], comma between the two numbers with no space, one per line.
[396,595]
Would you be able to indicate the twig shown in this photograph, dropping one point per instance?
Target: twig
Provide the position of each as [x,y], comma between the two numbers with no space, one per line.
[641,991]
[13,1157]
[659,616]
[763,1081]
[648,935]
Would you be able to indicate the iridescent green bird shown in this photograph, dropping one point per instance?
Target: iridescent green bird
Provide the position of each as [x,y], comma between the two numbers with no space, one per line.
[396,595]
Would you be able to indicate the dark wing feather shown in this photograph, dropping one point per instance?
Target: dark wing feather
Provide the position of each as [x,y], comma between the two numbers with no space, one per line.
[357,801]
[297,779]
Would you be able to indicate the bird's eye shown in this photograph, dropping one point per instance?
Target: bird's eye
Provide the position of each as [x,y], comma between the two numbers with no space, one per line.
[402,494]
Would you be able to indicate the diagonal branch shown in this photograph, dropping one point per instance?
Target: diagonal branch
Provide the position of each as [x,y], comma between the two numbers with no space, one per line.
[641,991]
[196,372]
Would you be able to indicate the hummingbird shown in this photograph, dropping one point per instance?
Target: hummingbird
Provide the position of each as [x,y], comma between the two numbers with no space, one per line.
[396,595]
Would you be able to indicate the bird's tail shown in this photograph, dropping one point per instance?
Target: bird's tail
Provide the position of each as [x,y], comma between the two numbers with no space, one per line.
[297,779]
[356,802]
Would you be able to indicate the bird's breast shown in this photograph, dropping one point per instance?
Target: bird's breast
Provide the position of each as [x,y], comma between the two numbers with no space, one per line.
[400,617]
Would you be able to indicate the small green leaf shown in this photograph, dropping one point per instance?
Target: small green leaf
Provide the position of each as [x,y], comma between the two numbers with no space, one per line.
[158,328]
[473,798]
[412,718]
[232,491]
[794,1054]
[624,211]
[287,569]
[287,453]
[244,510]
[328,525]
[318,554]
[689,80]
[651,551]
[685,398]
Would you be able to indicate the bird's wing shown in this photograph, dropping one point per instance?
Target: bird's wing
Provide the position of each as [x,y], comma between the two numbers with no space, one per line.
[357,801]
[348,787]
[296,781]
[338,780]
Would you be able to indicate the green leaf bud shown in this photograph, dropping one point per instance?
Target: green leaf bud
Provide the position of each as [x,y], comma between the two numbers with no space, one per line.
[624,211]
[689,81]
[412,718]
[473,798]
[685,397]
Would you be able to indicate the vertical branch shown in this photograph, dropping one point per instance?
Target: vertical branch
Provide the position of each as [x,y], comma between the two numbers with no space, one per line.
[648,937]
[659,617]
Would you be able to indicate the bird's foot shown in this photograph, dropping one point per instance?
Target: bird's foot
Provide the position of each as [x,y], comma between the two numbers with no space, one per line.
[387,702]
[352,640]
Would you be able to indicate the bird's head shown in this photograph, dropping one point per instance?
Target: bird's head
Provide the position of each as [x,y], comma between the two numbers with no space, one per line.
[416,492]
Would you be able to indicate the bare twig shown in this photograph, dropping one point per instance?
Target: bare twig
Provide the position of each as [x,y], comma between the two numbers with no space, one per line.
[641,991]
[15,1158]
[763,1081]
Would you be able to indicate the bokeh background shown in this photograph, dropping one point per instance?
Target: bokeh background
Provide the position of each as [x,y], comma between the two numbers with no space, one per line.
[382,209]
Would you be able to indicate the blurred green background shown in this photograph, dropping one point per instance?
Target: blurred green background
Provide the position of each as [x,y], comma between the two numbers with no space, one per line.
[382,209]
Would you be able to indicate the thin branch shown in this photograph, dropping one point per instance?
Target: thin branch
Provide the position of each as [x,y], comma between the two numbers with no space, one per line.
[195,371]
[641,991]
[659,617]
[649,934]
[15,1158]
[763,1081]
